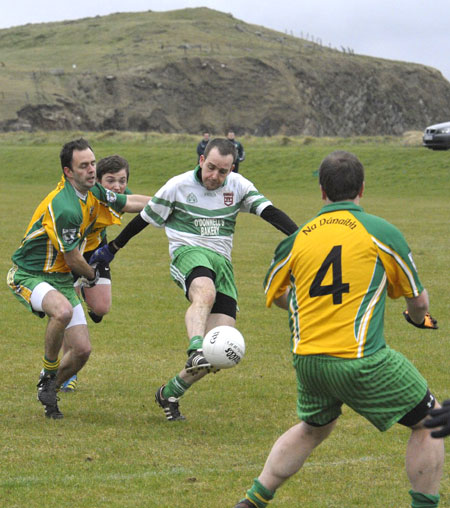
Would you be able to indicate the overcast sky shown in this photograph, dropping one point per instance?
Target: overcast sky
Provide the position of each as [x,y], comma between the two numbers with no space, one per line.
[408,30]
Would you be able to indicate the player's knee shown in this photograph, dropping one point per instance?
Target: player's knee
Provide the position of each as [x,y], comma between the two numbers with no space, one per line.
[100,308]
[98,298]
[85,354]
[204,294]
[208,297]
[200,287]
[82,352]
[62,312]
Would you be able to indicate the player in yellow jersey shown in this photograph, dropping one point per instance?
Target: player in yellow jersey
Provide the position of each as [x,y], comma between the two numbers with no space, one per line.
[113,173]
[332,276]
[41,276]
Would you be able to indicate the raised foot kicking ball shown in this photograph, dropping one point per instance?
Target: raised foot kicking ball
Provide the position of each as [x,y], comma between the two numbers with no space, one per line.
[223,347]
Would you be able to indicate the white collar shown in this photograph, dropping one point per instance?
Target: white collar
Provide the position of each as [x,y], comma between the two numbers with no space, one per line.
[81,196]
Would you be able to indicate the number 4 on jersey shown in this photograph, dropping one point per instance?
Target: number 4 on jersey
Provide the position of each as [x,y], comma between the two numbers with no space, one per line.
[338,287]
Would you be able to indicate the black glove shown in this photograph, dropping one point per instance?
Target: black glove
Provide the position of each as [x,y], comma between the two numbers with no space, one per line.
[440,418]
[428,322]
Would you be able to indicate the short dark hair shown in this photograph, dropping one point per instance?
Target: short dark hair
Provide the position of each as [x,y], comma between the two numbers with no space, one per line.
[225,147]
[341,176]
[66,154]
[112,164]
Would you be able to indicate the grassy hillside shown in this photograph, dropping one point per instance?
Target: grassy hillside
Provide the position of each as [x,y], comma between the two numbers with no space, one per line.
[114,447]
[42,56]
[136,38]
[185,70]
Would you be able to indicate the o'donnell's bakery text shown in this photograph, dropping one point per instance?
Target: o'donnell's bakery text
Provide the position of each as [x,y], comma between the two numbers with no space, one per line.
[209,227]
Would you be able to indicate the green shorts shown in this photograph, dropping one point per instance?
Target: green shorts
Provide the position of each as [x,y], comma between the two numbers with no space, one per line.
[187,258]
[382,387]
[22,284]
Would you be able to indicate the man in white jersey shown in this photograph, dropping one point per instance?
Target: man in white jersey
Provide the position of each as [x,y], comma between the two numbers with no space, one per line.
[198,210]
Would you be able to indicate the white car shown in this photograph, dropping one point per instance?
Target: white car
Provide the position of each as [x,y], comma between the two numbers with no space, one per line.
[437,137]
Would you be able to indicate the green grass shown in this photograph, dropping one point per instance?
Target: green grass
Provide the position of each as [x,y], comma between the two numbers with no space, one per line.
[114,447]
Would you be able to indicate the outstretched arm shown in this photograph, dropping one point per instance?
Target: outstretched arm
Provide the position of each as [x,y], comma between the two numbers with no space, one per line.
[279,219]
[134,227]
[135,203]
[106,253]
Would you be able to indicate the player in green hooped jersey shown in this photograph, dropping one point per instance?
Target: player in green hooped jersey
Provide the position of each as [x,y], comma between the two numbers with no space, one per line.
[332,276]
[198,210]
[112,173]
[52,248]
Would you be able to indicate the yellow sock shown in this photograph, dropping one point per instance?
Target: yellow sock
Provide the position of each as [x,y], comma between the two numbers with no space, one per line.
[50,367]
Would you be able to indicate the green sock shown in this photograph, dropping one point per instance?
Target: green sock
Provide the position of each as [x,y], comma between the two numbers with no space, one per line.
[196,342]
[420,500]
[259,495]
[175,388]
[50,366]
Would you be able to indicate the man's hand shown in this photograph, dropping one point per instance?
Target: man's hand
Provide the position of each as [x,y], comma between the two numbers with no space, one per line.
[428,322]
[89,283]
[440,418]
[102,256]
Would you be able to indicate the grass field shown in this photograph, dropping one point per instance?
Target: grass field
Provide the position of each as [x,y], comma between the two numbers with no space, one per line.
[114,447]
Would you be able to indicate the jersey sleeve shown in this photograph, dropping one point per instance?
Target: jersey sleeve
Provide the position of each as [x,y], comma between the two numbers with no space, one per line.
[159,208]
[277,279]
[253,201]
[109,198]
[396,256]
[62,225]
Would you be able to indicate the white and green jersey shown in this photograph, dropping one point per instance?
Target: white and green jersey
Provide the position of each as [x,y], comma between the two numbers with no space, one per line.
[194,215]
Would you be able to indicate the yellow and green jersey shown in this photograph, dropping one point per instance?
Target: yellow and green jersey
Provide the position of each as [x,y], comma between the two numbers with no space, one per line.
[107,216]
[339,267]
[60,224]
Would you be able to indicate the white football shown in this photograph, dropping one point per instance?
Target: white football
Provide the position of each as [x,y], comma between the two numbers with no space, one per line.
[223,347]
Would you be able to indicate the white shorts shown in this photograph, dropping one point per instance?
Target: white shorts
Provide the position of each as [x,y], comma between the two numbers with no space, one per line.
[37,297]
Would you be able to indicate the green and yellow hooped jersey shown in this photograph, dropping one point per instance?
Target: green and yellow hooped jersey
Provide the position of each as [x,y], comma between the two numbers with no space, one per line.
[107,216]
[339,267]
[60,224]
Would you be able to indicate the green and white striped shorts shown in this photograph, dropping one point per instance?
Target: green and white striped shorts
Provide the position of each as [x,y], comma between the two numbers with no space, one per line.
[382,387]
[187,258]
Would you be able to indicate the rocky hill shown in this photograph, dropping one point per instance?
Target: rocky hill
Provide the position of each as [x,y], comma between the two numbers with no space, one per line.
[195,69]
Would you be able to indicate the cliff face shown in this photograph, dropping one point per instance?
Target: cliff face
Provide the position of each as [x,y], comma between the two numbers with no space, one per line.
[294,89]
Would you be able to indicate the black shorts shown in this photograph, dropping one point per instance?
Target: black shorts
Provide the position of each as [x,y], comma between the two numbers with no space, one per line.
[223,304]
